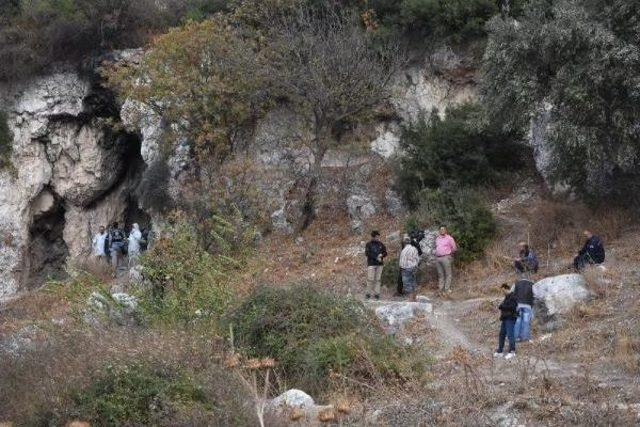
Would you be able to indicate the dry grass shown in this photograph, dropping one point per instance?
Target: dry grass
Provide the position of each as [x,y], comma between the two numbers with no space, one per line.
[40,379]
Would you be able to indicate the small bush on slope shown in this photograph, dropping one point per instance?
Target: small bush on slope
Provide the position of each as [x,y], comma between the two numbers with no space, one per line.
[312,334]
[185,282]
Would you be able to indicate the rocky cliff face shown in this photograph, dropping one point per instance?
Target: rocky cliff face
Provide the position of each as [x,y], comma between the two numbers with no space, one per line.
[78,158]
[73,171]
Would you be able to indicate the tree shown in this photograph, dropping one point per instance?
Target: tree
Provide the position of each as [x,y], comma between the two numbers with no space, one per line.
[323,63]
[204,79]
[582,59]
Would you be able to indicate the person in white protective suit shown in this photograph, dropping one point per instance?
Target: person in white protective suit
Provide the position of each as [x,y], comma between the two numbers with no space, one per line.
[135,239]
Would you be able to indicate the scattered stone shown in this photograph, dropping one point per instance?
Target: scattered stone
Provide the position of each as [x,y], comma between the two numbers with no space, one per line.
[395,205]
[360,208]
[394,314]
[120,308]
[293,398]
[280,223]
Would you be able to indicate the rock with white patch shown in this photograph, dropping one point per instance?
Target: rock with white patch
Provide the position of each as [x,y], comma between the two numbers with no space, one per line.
[556,296]
[360,207]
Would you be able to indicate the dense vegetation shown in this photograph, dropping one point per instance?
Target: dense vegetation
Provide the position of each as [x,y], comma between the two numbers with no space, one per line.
[315,336]
[36,33]
[581,60]
[445,162]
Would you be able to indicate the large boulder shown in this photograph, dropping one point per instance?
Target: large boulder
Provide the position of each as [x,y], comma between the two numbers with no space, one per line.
[556,296]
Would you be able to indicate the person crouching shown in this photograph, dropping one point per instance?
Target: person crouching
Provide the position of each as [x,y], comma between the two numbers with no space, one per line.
[508,315]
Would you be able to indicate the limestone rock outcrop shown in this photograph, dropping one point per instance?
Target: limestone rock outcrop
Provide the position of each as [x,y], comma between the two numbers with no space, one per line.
[69,175]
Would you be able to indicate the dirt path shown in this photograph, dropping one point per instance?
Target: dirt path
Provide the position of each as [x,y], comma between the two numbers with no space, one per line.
[447,320]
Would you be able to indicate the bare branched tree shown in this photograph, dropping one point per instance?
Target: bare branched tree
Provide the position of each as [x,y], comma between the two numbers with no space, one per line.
[327,66]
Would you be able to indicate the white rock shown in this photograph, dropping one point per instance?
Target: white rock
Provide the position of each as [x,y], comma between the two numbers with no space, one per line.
[559,294]
[293,398]
[388,141]
[394,314]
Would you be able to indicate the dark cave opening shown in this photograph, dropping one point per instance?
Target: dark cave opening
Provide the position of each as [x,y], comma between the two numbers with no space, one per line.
[47,251]
[133,176]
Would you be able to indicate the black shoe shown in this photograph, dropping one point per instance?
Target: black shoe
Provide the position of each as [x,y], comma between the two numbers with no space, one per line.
[367,296]
[377,297]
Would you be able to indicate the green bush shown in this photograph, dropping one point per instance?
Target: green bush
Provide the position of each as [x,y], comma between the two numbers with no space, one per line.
[135,394]
[311,334]
[6,141]
[462,148]
[464,213]
[185,282]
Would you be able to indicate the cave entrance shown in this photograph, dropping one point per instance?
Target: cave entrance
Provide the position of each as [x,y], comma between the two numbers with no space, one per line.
[47,251]
[133,175]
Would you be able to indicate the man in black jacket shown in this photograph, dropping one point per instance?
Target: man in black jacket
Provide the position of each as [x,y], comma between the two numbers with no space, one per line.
[508,315]
[591,253]
[523,290]
[375,252]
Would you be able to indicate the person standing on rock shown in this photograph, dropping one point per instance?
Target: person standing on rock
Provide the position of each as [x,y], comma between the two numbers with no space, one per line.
[99,243]
[508,315]
[116,245]
[409,260]
[591,253]
[445,248]
[375,252]
[135,241]
[523,290]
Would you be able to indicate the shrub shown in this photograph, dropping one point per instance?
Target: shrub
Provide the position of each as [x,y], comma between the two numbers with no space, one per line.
[185,282]
[135,394]
[312,334]
[465,214]
[463,148]
[6,141]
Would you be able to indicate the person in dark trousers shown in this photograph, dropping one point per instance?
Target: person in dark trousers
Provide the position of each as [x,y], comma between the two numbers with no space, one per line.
[591,253]
[416,237]
[527,262]
[375,252]
[523,291]
[508,315]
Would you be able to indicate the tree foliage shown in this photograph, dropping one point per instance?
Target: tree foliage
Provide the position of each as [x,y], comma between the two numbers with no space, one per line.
[582,60]
[324,63]
[204,79]
[464,148]
[36,33]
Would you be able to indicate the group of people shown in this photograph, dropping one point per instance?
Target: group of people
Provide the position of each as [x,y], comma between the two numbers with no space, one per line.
[408,262]
[113,244]
[516,310]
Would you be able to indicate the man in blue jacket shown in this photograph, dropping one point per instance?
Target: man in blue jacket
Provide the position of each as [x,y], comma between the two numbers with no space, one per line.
[591,253]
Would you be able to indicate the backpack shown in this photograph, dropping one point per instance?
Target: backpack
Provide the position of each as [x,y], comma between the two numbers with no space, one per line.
[117,236]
